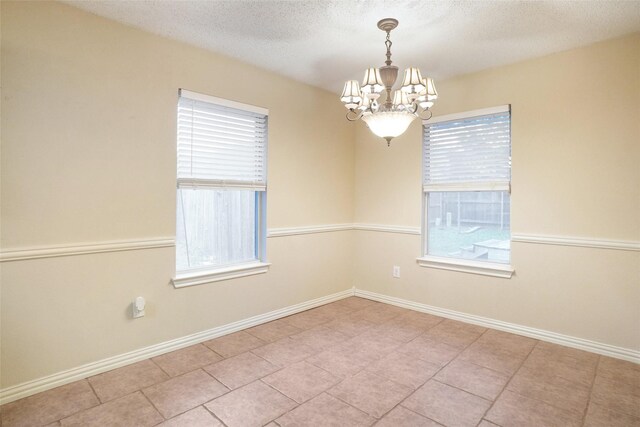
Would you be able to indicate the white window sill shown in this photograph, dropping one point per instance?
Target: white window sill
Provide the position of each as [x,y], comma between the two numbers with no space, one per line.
[201,277]
[467,266]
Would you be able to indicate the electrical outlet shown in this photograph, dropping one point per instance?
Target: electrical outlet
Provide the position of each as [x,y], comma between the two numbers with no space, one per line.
[396,271]
[137,307]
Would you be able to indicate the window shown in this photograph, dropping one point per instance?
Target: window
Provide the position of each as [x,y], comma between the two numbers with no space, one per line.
[221,191]
[466,184]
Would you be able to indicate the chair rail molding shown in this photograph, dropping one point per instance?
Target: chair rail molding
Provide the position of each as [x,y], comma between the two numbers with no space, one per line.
[583,242]
[308,229]
[22,254]
[399,229]
[51,251]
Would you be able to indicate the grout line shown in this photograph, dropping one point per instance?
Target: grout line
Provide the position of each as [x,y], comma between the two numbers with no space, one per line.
[488,422]
[94,392]
[593,382]
[432,377]
[216,353]
[279,392]
[508,382]
[229,389]
[151,403]
[324,370]
[68,415]
[503,373]
[150,359]
[211,412]
[423,416]
[461,389]
[395,382]
[159,367]
[349,404]
[427,380]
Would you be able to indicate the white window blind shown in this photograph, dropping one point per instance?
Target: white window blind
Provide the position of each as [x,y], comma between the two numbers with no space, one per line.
[222,179]
[472,151]
[466,180]
[219,144]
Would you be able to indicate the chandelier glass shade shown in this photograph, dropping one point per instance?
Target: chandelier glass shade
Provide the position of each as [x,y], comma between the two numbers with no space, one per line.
[387,112]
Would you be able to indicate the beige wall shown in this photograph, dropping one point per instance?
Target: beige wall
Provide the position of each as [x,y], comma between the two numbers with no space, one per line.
[88,155]
[576,173]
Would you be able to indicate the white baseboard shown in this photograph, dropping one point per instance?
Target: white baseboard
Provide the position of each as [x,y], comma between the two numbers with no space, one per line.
[540,334]
[42,384]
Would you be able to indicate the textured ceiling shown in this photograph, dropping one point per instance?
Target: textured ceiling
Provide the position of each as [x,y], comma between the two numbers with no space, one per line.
[325,43]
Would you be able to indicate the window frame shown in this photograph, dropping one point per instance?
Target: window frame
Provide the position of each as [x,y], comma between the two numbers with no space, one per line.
[209,274]
[487,268]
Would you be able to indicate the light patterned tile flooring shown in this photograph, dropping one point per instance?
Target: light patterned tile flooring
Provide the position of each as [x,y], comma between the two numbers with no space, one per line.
[353,362]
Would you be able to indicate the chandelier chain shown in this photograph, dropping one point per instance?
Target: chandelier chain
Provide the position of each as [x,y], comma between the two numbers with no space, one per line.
[388,44]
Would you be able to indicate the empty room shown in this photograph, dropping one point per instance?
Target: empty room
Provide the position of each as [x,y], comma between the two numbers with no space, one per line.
[320,213]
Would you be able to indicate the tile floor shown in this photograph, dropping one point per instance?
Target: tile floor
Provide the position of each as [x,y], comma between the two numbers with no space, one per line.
[353,362]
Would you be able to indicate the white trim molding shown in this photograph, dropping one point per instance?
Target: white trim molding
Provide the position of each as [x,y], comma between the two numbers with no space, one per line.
[84,248]
[466,114]
[310,229]
[399,229]
[193,278]
[467,266]
[293,231]
[51,251]
[473,186]
[621,245]
[540,334]
[221,101]
[42,384]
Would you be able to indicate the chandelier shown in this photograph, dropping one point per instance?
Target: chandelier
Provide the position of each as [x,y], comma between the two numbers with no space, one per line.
[392,117]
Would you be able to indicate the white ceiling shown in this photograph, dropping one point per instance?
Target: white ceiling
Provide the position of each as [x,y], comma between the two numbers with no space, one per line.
[325,43]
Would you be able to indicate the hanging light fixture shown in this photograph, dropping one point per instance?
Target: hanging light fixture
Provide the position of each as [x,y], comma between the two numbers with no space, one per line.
[392,117]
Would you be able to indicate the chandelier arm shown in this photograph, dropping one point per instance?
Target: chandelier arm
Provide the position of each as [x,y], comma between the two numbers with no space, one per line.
[423,116]
[352,116]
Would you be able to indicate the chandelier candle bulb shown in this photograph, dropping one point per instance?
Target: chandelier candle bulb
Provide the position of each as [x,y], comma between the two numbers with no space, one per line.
[372,83]
[366,103]
[351,95]
[412,77]
[425,105]
[401,100]
[432,93]
[412,83]
[428,94]
[391,118]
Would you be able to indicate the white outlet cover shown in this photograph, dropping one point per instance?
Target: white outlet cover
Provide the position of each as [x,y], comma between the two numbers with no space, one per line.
[396,271]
